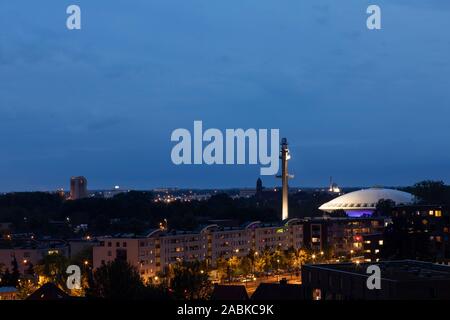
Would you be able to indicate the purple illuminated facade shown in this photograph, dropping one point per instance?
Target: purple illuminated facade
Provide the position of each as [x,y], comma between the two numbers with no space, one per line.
[359,213]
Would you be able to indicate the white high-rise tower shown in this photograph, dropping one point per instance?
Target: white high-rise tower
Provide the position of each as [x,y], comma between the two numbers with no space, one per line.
[285,176]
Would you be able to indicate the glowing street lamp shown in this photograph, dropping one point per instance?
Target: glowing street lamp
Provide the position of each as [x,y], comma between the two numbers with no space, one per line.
[278,269]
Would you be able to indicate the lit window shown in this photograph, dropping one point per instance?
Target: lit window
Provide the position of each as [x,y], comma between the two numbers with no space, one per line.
[377,251]
[438,213]
[381,242]
[317,294]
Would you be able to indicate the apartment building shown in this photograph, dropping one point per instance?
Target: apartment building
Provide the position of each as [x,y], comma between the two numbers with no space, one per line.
[341,236]
[29,252]
[154,252]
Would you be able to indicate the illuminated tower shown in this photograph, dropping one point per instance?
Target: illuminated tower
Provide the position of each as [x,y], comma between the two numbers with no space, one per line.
[285,176]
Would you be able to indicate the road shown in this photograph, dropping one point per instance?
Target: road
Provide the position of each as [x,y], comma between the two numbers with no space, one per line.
[252,285]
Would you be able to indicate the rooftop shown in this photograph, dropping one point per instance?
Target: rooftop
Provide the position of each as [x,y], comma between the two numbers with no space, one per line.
[367,199]
[401,270]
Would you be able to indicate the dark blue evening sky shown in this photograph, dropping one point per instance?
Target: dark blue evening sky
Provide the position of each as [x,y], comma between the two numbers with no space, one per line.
[367,107]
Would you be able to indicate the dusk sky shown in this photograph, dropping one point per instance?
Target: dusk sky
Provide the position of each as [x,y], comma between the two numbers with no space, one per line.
[366,107]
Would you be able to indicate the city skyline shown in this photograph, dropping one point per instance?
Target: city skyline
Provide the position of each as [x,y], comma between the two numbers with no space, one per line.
[366,107]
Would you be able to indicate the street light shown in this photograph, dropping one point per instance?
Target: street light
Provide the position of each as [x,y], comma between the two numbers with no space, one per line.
[278,269]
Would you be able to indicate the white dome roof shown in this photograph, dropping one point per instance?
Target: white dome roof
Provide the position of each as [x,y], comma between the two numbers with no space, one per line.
[367,199]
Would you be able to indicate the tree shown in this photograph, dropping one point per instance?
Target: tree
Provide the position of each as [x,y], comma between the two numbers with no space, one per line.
[260,263]
[431,192]
[8,278]
[52,268]
[15,275]
[116,280]
[267,260]
[222,268]
[279,260]
[25,288]
[245,265]
[5,280]
[384,207]
[190,281]
[297,258]
[233,264]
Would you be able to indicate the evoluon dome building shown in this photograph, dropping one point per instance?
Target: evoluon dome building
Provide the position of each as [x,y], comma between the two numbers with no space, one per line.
[364,202]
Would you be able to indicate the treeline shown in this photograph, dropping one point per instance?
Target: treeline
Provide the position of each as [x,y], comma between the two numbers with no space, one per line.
[132,212]
[137,212]
[431,192]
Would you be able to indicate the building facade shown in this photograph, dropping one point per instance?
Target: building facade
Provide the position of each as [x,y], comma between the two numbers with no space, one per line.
[399,280]
[340,237]
[155,252]
[29,253]
[78,188]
